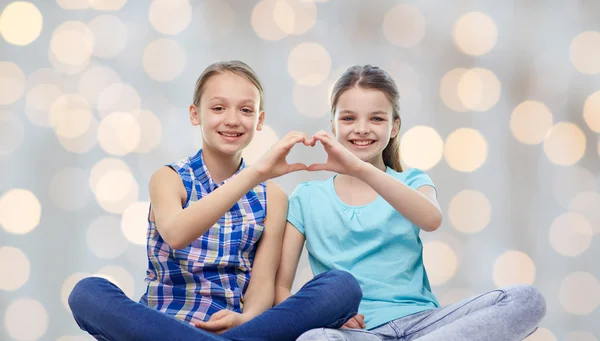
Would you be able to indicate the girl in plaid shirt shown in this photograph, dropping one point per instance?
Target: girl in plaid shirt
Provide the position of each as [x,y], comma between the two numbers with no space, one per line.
[213,246]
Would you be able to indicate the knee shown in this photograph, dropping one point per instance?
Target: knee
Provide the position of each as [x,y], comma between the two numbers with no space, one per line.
[81,297]
[530,301]
[346,286]
[312,335]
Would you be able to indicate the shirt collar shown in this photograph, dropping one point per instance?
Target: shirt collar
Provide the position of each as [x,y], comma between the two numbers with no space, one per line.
[201,172]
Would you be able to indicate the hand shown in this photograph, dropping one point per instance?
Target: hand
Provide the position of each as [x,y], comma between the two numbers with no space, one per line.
[339,159]
[357,322]
[273,164]
[222,321]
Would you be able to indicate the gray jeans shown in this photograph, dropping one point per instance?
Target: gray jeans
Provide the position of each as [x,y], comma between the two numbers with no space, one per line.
[507,314]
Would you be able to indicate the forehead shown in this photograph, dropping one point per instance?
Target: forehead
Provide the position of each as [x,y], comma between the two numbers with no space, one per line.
[359,99]
[231,85]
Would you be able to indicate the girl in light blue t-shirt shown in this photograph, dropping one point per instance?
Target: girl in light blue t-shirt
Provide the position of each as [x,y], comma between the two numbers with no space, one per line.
[366,220]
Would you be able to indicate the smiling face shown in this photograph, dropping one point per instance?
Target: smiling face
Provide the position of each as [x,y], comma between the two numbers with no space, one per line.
[228,113]
[363,122]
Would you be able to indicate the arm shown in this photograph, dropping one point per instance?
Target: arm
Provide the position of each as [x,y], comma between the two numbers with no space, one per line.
[178,226]
[261,290]
[260,293]
[418,206]
[293,241]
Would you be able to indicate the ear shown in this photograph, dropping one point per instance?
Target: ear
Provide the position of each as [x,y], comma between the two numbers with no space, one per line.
[194,115]
[395,128]
[261,119]
[332,127]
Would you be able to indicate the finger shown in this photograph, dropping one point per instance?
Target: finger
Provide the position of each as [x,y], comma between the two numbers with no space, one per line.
[214,325]
[297,167]
[291,133]
[361,320]
[323,133]
[324,139]
[351,323]
[317,167]
[310,142]
[294,139]
[295,133]
[219,315]
[354,323]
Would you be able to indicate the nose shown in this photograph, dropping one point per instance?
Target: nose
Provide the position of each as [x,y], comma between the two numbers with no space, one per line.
[231,118]
[361,128]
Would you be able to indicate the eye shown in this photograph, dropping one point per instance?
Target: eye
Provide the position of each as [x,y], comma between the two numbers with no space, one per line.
[247,110]
[347,118]
[218,108]
[378,119]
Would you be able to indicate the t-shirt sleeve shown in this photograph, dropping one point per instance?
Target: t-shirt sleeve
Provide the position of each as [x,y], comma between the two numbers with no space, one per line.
[297,204]
[417,178]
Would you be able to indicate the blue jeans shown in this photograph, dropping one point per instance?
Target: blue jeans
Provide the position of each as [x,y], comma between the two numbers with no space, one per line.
[507,314]
[105,312]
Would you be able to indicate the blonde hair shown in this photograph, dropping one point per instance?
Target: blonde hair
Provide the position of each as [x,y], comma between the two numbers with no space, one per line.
[234,66]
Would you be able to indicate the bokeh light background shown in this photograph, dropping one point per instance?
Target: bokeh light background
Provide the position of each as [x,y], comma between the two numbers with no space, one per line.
[500,105]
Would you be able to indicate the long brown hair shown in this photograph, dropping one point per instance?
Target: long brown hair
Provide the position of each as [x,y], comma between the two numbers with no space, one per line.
[234,66]
[372,77]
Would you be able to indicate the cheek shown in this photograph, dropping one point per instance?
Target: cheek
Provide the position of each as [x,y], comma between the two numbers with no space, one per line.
[207,119]
[341,129]
[250,122]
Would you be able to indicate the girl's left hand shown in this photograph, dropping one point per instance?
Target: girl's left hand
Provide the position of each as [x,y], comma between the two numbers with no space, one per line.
[339,159]
[222,321]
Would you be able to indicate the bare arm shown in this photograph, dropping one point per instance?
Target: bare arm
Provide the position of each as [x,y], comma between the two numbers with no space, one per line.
[178,226]
[261,290]
[418,206]
[293,242]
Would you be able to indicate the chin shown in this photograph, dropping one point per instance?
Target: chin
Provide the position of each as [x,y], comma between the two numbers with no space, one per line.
[231,150]
[224,149]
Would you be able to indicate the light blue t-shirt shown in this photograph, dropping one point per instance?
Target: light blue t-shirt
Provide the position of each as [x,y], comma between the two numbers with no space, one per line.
[374,242]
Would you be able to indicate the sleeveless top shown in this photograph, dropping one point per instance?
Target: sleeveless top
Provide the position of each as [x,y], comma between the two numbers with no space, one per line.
[213,272]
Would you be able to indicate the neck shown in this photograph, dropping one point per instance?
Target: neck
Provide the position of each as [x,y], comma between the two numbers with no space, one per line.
[378,163]
[220,166]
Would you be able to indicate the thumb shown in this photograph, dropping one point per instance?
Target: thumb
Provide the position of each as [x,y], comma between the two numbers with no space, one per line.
[219,315]
[317,167]
[297,167]
[214,325]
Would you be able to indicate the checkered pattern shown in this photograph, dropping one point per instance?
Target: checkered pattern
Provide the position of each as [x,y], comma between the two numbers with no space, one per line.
[213,272]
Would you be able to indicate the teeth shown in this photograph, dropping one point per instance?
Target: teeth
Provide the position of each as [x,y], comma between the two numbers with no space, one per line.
[362,143]
[231,135]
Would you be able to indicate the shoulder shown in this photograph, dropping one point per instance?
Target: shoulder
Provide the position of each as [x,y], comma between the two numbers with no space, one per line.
[165,182]
[165,174]
[307,187]
[413,177]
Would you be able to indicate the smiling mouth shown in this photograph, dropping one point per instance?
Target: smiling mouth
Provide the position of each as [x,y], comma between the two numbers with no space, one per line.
[231,134]
[362,143]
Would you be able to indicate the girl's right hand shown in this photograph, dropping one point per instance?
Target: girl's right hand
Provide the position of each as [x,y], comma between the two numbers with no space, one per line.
[273,163]
[356,322]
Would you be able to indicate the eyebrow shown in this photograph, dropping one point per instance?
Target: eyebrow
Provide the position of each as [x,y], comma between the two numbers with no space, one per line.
[225,99]
[377,112]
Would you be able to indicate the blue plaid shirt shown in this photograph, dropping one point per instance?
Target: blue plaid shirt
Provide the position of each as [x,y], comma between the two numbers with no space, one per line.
[213,272]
